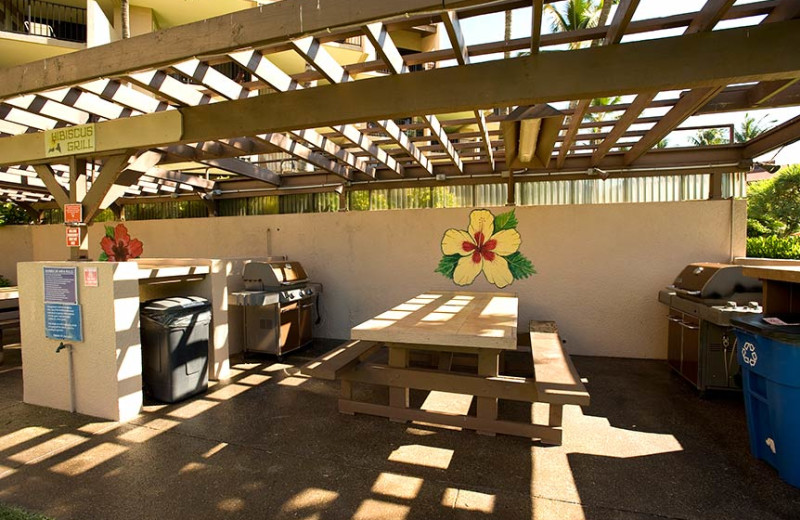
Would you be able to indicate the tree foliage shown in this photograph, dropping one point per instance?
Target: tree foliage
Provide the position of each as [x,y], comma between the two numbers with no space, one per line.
[12,214]
[773,205]
[749,128]
[708,137]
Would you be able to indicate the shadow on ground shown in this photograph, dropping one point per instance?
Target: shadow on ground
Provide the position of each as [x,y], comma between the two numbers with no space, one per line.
[270,444]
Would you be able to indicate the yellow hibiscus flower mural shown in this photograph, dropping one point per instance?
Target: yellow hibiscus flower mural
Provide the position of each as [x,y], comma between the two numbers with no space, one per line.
[490,245]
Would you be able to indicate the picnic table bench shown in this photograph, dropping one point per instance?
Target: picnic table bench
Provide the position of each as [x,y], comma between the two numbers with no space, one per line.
[553,381]
[9,314]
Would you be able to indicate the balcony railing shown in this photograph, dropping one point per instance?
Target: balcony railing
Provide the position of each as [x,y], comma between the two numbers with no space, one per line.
[38,18]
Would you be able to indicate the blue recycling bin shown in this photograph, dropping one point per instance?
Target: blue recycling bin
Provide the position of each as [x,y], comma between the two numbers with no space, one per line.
[770,359]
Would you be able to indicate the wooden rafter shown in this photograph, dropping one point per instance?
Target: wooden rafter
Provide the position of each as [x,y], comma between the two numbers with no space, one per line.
[781,135]
[229,89]
[537,13]
[613,35]
[273,76]
[382,41]
[315,54]
[711,13]
[455,34]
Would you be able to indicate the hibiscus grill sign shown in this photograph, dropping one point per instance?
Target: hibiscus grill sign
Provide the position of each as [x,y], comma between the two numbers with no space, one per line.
[490,245]
[118,246]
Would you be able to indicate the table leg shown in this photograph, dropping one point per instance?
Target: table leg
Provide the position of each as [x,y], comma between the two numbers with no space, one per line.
[488,365]
[346,393]
[398,396]
[556,414]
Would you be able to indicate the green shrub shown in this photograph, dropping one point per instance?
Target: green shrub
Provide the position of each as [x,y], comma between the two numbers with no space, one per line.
[15,513]
[4,282]
[774,247]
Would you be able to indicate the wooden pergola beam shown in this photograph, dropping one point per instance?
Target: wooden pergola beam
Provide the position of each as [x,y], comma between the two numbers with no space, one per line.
[48,176]
[102,184]
[711,13]
[261,26]
[452,25]
[295,149]
[315,55]
[781,135]
[41,105]
[273,76]
[245,169]
[384,45]
[537,13]
[614,34]
[685,107]
[700,60]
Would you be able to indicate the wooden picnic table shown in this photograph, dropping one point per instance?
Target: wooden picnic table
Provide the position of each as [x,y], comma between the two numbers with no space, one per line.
[9,312]
[9,293]
[482,326]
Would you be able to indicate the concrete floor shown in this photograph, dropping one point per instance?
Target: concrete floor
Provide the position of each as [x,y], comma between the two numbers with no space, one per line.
[270,444]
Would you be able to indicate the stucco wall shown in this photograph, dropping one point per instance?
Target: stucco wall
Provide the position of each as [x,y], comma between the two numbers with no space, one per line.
[16,245]
[599,266]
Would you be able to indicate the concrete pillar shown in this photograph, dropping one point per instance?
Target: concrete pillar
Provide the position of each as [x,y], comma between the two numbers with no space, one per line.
[105,377]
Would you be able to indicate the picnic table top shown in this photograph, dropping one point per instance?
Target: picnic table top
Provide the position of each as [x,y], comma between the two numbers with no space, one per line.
[447,318]
[9,293]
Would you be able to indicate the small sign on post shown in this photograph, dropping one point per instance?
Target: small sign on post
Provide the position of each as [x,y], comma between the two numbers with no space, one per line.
[73,213]
[73,237]
[90,278]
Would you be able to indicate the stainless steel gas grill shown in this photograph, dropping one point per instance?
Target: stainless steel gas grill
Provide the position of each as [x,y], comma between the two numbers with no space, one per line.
[278,303]
[702,300]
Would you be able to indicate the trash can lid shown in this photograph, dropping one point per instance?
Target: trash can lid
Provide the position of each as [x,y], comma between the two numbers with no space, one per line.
[784,333]
[175,304]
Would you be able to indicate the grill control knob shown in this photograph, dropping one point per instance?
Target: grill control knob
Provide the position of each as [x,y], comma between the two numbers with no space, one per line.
[754,305]
[731,305]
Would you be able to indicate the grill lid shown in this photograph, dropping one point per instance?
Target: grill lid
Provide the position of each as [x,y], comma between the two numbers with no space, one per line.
[260,276]
[706,280]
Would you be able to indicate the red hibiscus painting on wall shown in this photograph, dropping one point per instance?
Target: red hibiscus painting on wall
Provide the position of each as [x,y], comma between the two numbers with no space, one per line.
[118,246]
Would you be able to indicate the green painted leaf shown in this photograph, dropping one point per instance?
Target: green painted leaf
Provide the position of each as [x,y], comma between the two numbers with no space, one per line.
[505,221]
[520,266]
[103,257]
[110,232]
[447,265]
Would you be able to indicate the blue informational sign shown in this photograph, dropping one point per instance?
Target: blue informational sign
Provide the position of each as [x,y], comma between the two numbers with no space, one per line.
[61,285]
[63,321]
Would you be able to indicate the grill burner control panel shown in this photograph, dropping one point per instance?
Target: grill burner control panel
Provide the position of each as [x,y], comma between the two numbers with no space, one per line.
[751,307]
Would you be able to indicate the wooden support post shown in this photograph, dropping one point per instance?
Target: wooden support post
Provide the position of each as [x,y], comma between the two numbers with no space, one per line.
[488,365]
[118,210]
[556,414]
[715,190]
[343,201]
[398,396]
[346,393]
[77,192]
[511,200]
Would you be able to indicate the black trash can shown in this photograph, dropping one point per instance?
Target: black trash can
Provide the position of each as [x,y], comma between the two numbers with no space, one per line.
[174,333]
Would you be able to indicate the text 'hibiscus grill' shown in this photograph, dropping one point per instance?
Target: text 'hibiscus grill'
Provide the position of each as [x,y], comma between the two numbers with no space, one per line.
[278,303]
[702,300]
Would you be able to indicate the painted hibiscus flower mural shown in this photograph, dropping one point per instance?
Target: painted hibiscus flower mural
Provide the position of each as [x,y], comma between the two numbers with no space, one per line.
[490,245]
[118,246]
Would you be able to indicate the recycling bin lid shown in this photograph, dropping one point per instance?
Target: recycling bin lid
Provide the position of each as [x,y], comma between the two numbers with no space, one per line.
[784,333]
[166,310]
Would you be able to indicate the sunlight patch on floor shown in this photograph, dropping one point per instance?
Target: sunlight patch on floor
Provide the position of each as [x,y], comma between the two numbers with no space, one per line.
[88,459]
[310,498]
[10,440]
[216,449]
[398,486]
[419,455]
[193,409]
[379,510]
[48,448]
